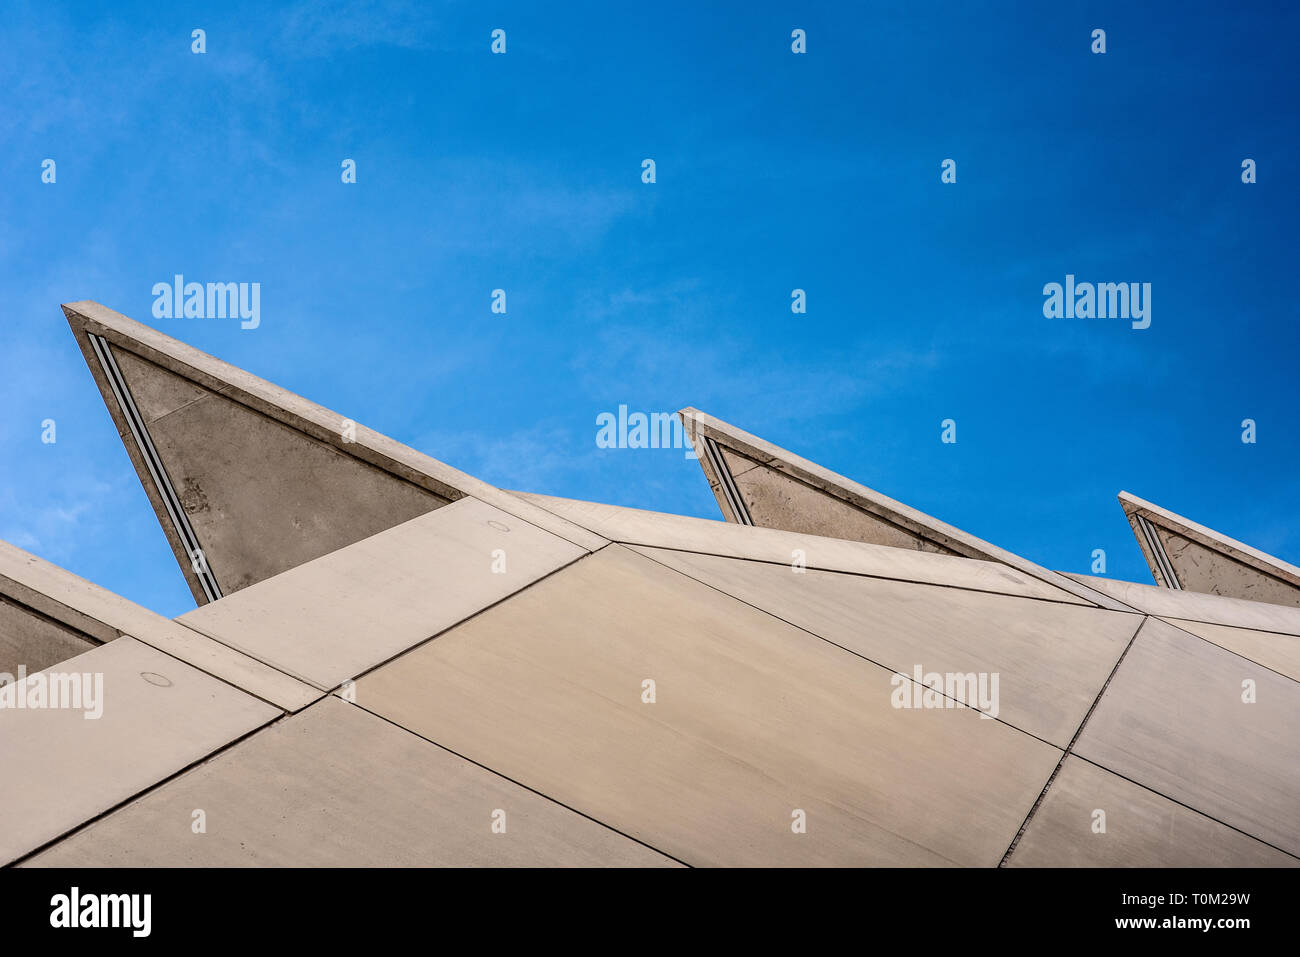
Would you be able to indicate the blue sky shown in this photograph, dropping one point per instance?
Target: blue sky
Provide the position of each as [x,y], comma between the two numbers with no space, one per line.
[775,171]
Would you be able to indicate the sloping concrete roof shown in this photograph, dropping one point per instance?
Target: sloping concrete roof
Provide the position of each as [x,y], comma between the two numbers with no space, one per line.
[516,679]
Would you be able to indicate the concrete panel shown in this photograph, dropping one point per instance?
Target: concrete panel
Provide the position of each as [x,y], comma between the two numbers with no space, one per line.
[156,391]
[241,670]
[34,641]
[1207,570]
[776,500]
[1143,829]
[1270,649]
[254,522]
[1173,720]
[85,608]
[753,721]
[58,594]
[159,716]
[336,786]
[1051,659]
[331,619]
[1197,606]
[639,527]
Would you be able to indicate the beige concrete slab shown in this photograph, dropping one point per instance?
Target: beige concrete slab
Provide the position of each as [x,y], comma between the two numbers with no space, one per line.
[1141,829]
[798,494]
[1051,659]
[639,527]
[58,594]
[243,671]
[753,721]
[1173,720]
[34,642]
[331,619]
[159,716]
[1196,606]
[336,786]
[104,616]
[1270,649]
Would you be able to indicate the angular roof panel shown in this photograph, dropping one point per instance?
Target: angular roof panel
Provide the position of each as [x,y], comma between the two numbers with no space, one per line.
[44,599]
[349,790]
[159,715]
[1198,606]
[332,618]
[753,721]
[1174,719]
[1143,828]
[1052,658]
[634,526]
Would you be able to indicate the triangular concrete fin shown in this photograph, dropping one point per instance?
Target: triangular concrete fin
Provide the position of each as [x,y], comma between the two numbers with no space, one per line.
[1188,556]
[758,483]
[244,486]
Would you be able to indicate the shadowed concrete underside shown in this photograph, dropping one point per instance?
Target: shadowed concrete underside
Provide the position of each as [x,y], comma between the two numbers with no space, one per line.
[758,483]
[242,495]
[261,497]
[1185,555]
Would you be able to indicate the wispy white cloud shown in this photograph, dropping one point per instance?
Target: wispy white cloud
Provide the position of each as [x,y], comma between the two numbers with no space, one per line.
[326,27]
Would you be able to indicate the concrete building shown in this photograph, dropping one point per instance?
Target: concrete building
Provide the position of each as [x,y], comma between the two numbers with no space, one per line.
[395,663]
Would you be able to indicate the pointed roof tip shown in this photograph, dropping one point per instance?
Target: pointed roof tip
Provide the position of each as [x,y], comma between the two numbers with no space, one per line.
[74,313]
[88,309]
[1131,502]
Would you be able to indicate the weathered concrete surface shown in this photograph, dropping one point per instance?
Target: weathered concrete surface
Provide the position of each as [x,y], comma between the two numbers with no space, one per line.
[159,716]
[336,786]
[175,379]
[1051,659]
[1270,649]
[262,497]
[1142,829]
[1207,561]
[634,526]
[330,619]
[754,720]
[1197,606]
[1211,571]
[776,500]
[30,639]
[102,616]
[1173,719]
[799,495]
